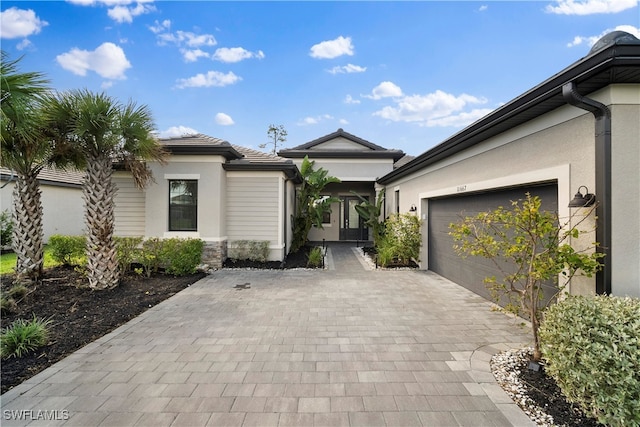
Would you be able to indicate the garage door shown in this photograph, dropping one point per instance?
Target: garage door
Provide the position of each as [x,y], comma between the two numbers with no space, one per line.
[471,271]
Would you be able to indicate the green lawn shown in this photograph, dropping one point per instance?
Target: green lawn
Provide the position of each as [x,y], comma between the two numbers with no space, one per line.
[8,262]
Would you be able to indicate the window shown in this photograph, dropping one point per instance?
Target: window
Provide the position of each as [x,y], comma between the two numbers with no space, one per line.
[397,197]
[183,205]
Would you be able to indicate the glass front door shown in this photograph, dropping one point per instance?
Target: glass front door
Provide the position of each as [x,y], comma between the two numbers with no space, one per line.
[351,225]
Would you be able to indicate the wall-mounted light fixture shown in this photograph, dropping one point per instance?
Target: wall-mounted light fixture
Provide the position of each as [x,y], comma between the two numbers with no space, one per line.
[582,201]
[413,208]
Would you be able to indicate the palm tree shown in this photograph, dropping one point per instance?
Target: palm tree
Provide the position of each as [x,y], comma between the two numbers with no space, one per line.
[96,131]
[25,150]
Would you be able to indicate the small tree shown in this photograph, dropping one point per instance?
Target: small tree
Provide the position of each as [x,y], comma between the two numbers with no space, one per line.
[277,134]
[310,204]
[536,243]
[370,214]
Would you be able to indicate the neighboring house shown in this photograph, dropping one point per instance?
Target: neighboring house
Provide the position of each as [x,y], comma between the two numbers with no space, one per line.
[62,203]
[214,191]
[581,127]
[358,164]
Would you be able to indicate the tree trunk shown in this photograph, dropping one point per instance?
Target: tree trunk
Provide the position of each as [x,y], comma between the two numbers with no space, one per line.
[27,230]
[99,192]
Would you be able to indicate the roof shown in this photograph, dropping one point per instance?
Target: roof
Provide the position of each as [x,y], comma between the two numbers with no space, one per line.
[615,60]
[370,150]
[199,144]
[255,160]
[51,176]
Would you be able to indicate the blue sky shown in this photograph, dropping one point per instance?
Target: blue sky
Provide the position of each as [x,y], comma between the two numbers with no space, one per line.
[403,75]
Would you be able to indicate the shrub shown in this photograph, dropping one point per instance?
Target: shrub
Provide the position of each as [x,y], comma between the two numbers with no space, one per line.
[315,257]
[68,250]
[592,348]
[23,336]
[6,228]
[402,240]
[128,249]
[151,256]
[182,256]
[253,250]
[7,304]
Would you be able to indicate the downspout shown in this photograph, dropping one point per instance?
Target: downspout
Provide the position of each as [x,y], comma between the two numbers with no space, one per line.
[602,116]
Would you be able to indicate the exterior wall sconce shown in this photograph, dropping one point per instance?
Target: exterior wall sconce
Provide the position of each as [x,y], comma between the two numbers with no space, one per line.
[580,201]
[413,208]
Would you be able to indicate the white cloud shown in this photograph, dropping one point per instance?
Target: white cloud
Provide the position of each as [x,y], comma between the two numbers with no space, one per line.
[25,43]
[435,109]
[211,78]
[350,100]
[177,131]
[16,23]
[343,122]
[590,7]
[346,69]
[235,54]
[332,48]
[314,120]
[224,119]
[192,55]
[107,60]
[120,10]
[186,38]
[122,14]
[483,8]
[384,90]
[160,27]
[591,40]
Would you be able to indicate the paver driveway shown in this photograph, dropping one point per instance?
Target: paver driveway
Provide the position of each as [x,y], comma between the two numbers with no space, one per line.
[342,347]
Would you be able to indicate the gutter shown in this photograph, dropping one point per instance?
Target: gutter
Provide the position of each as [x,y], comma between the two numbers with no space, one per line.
[602,116]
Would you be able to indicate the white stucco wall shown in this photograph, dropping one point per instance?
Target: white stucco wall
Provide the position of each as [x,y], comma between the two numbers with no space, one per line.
[625,191]
[207,170]
[63,208]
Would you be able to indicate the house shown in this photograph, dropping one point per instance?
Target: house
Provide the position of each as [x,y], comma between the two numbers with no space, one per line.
[579,130]
[57,187]
[358,164]
[211,190]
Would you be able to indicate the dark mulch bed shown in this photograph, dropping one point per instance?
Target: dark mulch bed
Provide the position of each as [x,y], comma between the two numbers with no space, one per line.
[543,390]
[293,260]
[80,315]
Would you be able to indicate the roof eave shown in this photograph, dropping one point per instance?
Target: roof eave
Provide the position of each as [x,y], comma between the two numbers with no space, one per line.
[581,71]
[289,169]
[333,154]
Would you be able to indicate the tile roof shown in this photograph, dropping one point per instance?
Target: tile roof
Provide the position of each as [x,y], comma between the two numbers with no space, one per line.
[52,175]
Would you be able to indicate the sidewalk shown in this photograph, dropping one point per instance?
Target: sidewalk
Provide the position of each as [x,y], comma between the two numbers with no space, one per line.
[347,346]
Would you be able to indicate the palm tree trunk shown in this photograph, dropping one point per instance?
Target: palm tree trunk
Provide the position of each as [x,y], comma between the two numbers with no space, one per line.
[27,231]
[99,192]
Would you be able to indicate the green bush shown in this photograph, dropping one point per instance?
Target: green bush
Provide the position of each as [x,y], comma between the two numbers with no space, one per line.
[592,348]
[182,256]
[401,242]
[23,336]
[253,250]
[315,257]
[129,251]
[68,250]
[6,228]
[151,255]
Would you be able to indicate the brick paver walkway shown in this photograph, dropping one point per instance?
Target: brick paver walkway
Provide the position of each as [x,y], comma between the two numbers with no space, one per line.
[347,346]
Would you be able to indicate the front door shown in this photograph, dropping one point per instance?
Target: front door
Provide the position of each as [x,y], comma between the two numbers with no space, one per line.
[351,225]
